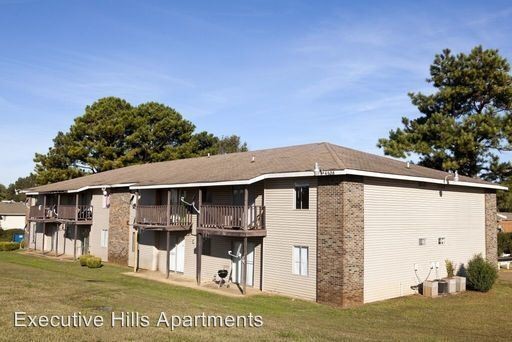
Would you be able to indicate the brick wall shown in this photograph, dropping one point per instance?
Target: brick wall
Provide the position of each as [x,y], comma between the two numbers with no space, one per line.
[491,235]
[340,259]
[118,235]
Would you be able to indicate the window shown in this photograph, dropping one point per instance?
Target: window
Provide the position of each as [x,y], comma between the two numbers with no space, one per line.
[238,196]
[207,246]
[206,196]
[104,238]
[301,196]
[422,241]
[441,241]
[300,260]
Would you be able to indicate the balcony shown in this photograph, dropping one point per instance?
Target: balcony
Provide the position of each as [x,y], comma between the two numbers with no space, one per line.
[81,214]
[40,213]
[230,220]
[172,217]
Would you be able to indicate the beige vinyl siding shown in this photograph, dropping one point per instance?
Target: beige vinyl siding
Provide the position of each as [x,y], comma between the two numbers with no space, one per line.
[100,221]
[397,214]
[12,222]
[288,227]
[147,250]
[65,245]
[161,245]
[218,258]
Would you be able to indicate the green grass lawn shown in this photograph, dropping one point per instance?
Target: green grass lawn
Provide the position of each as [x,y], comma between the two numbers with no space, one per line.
[47,286]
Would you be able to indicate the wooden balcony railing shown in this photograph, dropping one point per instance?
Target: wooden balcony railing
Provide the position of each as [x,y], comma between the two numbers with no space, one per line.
[66,212]
[39,212]
[61,212]
[163,215]
[232,217]
[84,212]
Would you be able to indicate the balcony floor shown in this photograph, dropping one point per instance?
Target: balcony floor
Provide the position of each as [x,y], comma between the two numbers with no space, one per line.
[232,232]
[155,227]
[56,220]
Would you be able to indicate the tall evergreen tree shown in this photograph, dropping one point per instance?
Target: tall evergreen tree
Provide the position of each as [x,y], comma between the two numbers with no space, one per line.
[467,122]
[112,134]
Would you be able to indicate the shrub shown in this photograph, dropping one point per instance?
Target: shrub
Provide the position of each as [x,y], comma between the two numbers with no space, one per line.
[449,268]
[83,259]
[94,262]
[6,235]
[504,243]
[9,246]
[481,274]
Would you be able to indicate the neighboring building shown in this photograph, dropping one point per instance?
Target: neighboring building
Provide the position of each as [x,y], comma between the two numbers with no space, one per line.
[505,222]
[318,221]
[12,215]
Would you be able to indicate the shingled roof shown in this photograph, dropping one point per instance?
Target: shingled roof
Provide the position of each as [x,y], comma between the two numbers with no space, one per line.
[12,208]
[244,166]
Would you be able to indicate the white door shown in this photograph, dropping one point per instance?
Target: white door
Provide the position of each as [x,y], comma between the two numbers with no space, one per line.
[177,254]
[237,264]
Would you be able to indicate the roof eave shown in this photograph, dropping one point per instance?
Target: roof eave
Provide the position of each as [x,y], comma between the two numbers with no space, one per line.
[323,173]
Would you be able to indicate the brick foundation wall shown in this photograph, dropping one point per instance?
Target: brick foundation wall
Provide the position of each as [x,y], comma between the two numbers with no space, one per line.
[491,234]
[118,235]
[340,259]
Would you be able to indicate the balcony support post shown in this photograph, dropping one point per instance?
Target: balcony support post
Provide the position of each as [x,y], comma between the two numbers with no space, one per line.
[199,204]
[58,205]
[76,207]
[44,236]
[199,252]
[136,259]
[244,267]
[64,238]
[57,226]
[168,208]
[57,230]
[168,254]
[246,207]
[44,222]
[74,241]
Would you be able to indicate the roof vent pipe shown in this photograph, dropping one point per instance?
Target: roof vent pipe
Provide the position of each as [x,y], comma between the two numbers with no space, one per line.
[408,164]
[208,155]
[253,159]
[456,177]
[317,168]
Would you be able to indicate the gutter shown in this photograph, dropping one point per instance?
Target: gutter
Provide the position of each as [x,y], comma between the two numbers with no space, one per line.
[320,174]
[121,185]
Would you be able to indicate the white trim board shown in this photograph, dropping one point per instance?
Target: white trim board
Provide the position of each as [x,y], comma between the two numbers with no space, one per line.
[328,173]
[134,186]
[127,185]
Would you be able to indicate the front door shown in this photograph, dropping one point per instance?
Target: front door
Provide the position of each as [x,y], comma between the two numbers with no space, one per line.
[236,274]
[177,254]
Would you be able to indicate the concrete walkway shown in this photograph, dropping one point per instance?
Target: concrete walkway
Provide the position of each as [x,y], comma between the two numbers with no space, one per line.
[180,280]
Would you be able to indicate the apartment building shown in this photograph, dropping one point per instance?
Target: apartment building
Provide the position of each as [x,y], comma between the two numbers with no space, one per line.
[319,221]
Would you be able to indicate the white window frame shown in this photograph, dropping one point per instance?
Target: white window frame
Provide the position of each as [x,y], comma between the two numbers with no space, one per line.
[300,260]
[104,238]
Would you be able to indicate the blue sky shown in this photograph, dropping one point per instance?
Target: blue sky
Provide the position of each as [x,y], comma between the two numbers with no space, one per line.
[274,72]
